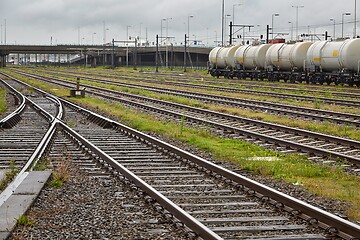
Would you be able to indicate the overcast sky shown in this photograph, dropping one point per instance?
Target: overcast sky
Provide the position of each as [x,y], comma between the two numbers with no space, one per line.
[39,21]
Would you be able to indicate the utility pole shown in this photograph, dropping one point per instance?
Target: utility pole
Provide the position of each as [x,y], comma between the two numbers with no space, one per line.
[112,54]
[5,32]
[157,53]
[222,22]
[297,19]
[79,41]
[185,53]
[355,20]
[231,32]
[333,20]
[135,54]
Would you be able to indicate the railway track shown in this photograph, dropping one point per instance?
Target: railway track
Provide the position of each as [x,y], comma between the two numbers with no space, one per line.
[175,82]
[346,92]
[262,106]
[212,201]
[273,136]
[18,145]
[58,147]
[318,90]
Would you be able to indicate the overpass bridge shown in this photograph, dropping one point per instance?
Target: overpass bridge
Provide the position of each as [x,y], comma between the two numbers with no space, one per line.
[107,54]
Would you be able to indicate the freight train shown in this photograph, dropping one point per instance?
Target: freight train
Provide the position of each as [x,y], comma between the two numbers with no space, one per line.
[330,62]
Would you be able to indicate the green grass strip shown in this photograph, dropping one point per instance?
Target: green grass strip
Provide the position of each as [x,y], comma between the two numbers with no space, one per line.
[346,131]
[3,101]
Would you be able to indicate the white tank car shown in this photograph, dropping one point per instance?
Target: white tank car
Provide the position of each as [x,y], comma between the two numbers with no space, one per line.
[335,56]
[212,56]
[222,57]
[252,56]
[287,56]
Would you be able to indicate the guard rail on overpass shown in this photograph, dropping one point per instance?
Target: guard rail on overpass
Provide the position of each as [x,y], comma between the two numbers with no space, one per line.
[173,54]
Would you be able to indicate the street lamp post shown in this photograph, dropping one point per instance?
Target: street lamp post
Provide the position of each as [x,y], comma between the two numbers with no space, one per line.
[222,22]
[166,43]
[291,30]
[297,20]
[127,45]
[333,20]
[342,22]
[104,54]
[140,34]
[188,25]
[92,38]
[5,31]
[234,5]
[216,41]
[233,18]
[272,24]
[355,20]
[163,19]
[227,16]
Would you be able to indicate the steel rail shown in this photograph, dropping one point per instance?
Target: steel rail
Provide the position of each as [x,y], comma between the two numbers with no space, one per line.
[333,139]
[338,117]
[343,102]
[51,97]
[350,103]
[326,220]
[248,103]
[38,152]
[187,219]
[250,84]
[282,142]
[13,118]
[344,228]
[174,209]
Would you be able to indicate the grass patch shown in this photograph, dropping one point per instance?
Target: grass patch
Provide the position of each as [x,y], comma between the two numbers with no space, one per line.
[9,175]
[61,173]
[317,103]
[348,131]
[25,221]
[3,101]
[42,164]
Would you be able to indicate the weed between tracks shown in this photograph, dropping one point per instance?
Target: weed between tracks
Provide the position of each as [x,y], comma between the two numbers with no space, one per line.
[3,101]
[292,168]
[25,221]
[322,180]
[62,172]
[322,127]
[9,175]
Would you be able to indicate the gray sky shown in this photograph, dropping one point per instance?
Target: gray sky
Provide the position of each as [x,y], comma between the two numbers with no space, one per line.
[36,21]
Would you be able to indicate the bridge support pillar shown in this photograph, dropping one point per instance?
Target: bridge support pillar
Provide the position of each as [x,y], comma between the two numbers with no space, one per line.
[2,61]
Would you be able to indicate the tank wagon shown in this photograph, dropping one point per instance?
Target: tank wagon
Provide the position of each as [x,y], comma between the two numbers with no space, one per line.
[321,62]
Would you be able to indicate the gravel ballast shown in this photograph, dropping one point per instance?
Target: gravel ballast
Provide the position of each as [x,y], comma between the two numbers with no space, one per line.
[94,208]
